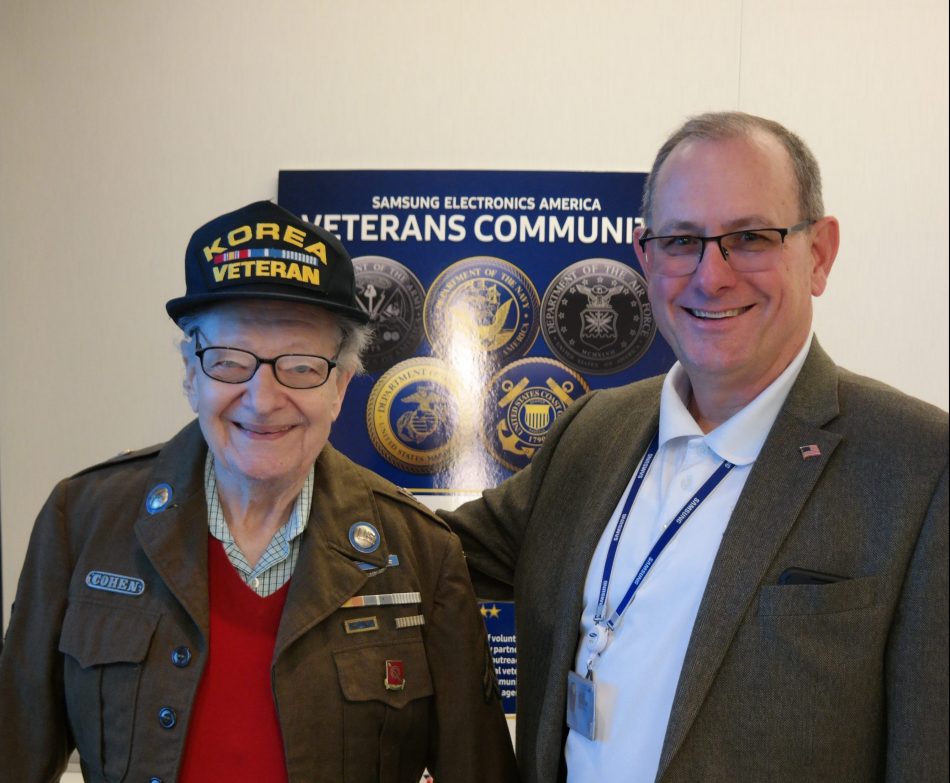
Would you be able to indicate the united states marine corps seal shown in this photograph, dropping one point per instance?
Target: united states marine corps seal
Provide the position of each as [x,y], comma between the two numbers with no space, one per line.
[392,296]
[411,415]
[527,396]
[596,315]
[483,300]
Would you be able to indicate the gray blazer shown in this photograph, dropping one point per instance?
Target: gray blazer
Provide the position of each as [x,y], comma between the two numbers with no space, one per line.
[835,682]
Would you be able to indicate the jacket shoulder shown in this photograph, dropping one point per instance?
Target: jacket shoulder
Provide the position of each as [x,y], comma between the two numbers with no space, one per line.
[126,457]
[883,407]
[381,487]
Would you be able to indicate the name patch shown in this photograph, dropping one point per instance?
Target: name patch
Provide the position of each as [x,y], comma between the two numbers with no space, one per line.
[115,583]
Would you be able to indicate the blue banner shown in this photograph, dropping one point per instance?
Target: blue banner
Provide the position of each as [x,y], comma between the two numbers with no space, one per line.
[497,298]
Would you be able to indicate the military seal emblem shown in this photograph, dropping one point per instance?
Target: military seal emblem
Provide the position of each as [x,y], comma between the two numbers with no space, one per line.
[485,302]
[527,396]
[596,316]
[411,415]
[392,296]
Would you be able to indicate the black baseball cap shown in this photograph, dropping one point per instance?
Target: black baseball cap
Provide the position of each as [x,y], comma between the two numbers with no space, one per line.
[263,251]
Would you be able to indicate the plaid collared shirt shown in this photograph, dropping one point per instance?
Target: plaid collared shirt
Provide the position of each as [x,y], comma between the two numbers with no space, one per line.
[276,565]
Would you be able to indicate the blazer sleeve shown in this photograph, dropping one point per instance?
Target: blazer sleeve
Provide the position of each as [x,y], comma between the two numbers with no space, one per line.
[917,655]
[493,526]
[471,739]
[35,742]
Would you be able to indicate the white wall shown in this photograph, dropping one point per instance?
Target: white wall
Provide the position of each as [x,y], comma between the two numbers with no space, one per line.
[126,124]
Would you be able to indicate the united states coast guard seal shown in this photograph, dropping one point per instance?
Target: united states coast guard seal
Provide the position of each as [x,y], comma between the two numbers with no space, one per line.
[392,297]
[411,415]
[483,301]
[596,316]
[527,396]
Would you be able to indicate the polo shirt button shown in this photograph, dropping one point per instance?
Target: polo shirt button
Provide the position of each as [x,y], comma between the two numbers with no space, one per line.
[167,718]
[181,657]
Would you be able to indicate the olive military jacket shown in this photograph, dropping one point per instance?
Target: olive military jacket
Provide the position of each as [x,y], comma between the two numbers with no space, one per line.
[109,634]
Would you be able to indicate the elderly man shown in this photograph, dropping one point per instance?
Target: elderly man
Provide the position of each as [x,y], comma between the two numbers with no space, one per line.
[243,603]
[737,572]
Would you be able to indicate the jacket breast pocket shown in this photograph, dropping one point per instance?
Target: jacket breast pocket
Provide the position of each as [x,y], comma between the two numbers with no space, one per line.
[813,599]
[104,648]
[387,691]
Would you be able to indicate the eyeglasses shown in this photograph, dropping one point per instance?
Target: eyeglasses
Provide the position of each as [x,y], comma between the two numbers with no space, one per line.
[234,365]
[749,250]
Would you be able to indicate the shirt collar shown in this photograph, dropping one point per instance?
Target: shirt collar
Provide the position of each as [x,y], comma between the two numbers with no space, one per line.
[740,438]
[293,527]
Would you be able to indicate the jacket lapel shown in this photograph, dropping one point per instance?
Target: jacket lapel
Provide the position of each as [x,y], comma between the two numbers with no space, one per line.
[777,488]
[175,539]
[326,574]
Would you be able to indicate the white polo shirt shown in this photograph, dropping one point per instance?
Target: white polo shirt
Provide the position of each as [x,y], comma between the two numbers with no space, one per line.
[636,676]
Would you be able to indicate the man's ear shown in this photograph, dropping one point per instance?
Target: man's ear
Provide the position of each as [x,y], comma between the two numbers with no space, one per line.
[824,249]
[343,378]
[190,383]
[638,232]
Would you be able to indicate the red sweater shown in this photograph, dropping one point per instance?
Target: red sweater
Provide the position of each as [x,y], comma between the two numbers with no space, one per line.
[234,734]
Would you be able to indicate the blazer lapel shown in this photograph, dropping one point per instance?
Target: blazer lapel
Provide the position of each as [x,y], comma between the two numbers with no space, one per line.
[602,459]
[175,539]
[778,486]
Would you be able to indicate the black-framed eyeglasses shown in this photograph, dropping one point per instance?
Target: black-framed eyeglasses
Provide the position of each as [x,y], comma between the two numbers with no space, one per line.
[235,365]
[749,250]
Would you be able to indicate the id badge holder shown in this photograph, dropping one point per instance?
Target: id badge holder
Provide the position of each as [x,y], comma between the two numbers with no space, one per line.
[581,693]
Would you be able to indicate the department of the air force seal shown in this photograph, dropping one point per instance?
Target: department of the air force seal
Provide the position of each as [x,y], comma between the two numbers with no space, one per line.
[392,297]
[597,318]
[411,415]
[526,397]
[486,303]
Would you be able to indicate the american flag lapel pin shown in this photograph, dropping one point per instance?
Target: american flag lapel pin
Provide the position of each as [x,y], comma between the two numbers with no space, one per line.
[811,450]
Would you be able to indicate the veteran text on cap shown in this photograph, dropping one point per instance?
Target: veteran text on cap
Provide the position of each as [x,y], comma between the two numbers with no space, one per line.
[262,251]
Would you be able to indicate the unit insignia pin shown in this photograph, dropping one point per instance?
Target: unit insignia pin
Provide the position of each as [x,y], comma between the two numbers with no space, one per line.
[364,537]
[395,676]
[158,498]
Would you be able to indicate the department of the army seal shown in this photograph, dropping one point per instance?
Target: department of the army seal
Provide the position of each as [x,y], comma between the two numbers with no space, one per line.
[596,316]
[392,297]
[411,415]
[485,302]
[526,397]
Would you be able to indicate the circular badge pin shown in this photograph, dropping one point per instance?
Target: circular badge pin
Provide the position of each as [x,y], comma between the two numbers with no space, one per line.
[525,399]
[392,296]
[364,537]
[484,303]
[411,415]
[158,498]
[596,316]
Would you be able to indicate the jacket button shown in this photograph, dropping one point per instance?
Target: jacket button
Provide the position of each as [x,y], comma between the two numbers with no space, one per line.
[181,657]
[167,718]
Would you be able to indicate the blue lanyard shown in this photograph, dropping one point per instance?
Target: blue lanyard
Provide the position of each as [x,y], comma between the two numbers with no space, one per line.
[672,529]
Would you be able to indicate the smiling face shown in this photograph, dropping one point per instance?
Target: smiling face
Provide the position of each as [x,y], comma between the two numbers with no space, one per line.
[733,332]
[260,432]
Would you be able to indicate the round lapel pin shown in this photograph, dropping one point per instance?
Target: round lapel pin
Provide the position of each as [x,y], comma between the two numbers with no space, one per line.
[158,498]
[364,537]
